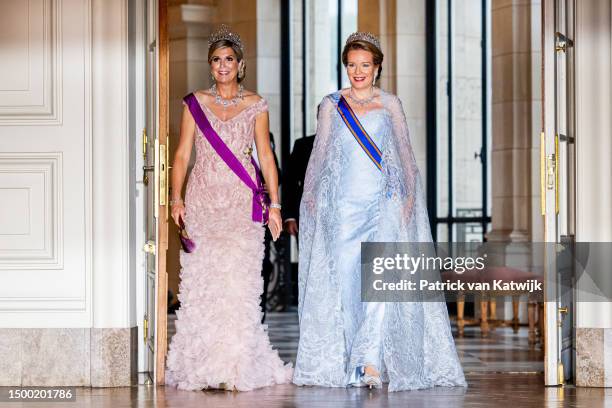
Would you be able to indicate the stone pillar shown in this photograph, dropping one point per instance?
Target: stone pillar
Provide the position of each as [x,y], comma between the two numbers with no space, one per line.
[268,62]
[593,187]
[401,29]
[409,72]
[379,18]
[516,120]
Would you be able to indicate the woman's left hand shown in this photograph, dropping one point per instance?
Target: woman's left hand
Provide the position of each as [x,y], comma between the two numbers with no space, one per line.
[275,223]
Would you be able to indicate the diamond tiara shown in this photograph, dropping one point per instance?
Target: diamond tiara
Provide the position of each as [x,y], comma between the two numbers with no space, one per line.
[363,36]
[225,33]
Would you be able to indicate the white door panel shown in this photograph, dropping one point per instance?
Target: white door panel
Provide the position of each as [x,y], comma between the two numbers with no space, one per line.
[45,165]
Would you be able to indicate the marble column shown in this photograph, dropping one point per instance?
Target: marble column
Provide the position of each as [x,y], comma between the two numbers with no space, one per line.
[516,62]
[593,187]
[379,17]
[400,25]
[268,62]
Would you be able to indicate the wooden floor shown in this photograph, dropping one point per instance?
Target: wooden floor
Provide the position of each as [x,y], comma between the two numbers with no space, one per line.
[484,390]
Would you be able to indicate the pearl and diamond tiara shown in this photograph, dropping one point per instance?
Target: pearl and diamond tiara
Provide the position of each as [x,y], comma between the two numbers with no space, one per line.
[225,33]
[363,36]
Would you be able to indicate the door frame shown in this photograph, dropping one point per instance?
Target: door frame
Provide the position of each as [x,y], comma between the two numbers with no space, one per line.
[547,195]
[161,281]
[153,137]
[550,188]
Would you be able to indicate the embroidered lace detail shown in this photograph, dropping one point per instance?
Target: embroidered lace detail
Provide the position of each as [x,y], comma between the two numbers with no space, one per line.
[410,343]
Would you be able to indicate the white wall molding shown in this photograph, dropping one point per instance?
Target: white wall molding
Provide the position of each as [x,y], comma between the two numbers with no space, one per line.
[31,80]
[32,183]
[50,157]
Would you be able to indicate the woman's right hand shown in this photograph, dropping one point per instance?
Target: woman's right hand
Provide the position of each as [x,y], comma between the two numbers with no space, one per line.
[178,212]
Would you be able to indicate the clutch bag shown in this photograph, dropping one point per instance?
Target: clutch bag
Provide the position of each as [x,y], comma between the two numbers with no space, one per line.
[186,242]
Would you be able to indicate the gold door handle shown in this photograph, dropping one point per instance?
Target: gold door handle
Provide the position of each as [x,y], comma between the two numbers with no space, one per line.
[144,145]
[145,168]
[145,329]
[563,310]
[550,172]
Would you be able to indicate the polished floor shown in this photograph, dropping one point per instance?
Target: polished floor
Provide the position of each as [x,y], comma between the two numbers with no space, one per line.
[502,352]
[484,390]
[502,371]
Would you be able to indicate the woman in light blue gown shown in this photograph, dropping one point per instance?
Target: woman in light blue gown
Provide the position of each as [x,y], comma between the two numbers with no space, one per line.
[353,196]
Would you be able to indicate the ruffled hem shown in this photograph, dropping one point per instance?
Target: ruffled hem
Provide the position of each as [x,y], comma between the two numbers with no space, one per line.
[219,337]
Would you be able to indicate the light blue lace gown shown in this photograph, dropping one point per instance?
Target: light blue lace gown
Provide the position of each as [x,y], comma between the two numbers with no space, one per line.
[347,200]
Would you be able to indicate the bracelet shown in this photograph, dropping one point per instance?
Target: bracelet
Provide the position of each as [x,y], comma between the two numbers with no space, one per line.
[275,205]
[178,200]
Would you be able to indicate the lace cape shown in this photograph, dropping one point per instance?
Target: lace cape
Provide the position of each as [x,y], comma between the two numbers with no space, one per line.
[418,347]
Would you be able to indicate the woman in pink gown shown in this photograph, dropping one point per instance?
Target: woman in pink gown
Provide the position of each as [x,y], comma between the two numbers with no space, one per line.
[220,342]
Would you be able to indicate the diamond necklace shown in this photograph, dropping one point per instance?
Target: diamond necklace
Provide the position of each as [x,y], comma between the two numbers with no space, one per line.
[226,102]
[358,101]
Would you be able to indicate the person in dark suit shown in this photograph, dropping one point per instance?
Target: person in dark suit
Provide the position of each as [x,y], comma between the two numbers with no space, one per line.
[293,183]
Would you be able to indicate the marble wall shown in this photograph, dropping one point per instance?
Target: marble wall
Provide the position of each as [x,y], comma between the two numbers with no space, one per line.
[593,357]
[68,357]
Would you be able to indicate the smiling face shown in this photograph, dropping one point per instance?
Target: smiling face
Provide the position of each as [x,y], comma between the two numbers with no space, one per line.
[224,65]
[360,68]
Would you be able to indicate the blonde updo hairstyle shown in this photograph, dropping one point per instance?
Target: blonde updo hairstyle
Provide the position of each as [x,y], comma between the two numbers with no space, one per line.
[237,51]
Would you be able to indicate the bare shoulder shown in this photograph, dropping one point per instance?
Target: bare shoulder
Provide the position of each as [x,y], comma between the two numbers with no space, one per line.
[251,97]
[204,95]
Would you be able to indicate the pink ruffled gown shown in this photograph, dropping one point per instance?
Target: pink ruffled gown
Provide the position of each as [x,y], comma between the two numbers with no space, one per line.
[219,336]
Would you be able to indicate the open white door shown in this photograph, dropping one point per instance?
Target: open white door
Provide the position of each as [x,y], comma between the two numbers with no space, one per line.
[557,168]
[155,175]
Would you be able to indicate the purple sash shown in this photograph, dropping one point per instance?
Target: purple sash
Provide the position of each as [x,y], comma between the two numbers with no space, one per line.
[261,200]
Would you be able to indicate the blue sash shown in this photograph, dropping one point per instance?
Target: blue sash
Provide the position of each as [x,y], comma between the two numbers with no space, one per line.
[358,131]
